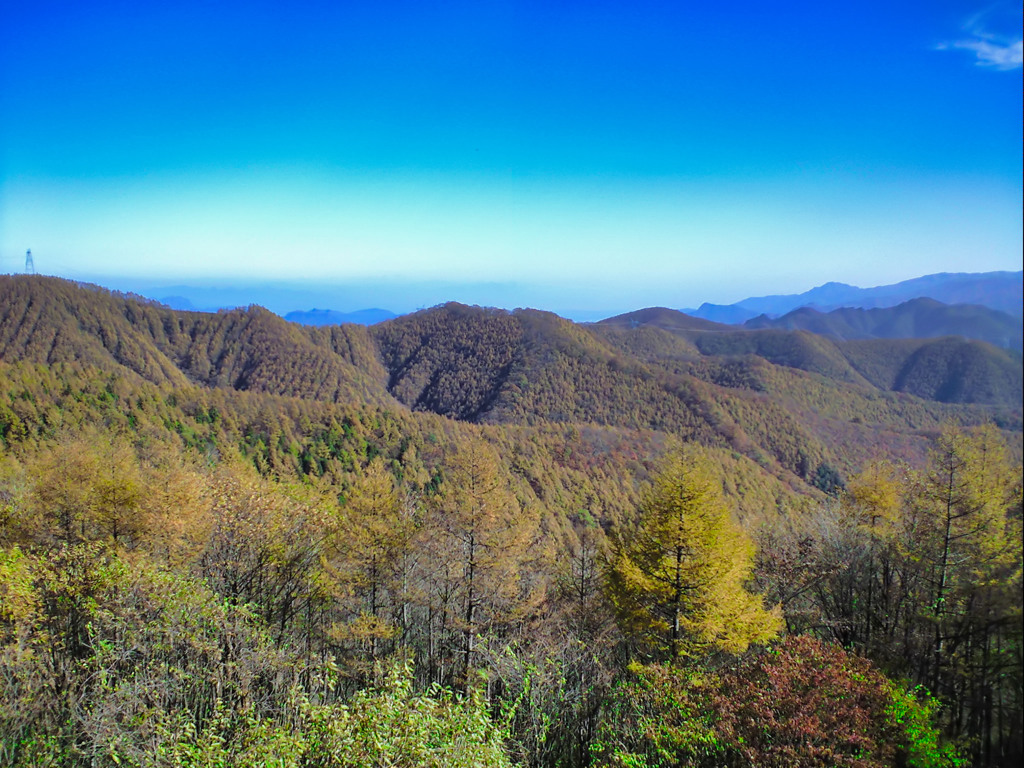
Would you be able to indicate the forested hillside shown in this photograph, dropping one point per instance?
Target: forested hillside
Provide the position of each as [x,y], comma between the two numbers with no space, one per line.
[476,537]
[889,362]
[916,319]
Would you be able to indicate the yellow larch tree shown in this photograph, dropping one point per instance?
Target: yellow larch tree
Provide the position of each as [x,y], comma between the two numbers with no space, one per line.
[678,581]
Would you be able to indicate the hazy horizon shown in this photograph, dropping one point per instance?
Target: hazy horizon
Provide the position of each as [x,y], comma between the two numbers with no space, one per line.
[402,298]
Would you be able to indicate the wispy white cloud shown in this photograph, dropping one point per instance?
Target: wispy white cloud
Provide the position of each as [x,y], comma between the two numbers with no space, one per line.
[992,53]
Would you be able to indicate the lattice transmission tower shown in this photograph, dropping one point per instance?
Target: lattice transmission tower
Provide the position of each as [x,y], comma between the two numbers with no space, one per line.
[30,265]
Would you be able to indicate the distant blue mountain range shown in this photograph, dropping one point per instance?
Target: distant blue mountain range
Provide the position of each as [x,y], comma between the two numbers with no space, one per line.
[1001,291]
[914,319]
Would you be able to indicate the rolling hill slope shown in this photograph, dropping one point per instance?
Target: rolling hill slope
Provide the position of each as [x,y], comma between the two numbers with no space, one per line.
[952,370]
[915,319]
[790,401]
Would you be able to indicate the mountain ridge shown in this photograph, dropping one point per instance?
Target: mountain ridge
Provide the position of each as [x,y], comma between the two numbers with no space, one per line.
[790,401]
[914,319]
[1001,290]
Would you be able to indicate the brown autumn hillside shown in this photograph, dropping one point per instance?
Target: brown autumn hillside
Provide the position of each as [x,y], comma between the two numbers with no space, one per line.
[790,401]
[918,318]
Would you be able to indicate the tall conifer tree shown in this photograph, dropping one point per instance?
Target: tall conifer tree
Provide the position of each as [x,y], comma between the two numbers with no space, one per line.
[678,583]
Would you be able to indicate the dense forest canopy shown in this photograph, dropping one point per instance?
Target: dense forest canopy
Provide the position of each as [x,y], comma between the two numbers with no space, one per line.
[477,537]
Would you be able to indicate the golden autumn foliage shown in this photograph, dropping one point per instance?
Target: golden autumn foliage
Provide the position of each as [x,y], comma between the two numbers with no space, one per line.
[679,580]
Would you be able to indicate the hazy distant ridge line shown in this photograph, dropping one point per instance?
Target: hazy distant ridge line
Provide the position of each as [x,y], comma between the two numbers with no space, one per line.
[1002,291]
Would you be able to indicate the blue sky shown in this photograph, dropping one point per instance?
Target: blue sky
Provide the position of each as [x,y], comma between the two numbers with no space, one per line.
[574,156]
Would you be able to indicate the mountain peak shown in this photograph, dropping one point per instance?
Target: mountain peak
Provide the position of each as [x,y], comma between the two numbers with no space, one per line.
[665,318]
